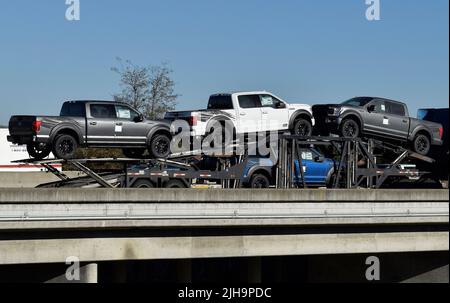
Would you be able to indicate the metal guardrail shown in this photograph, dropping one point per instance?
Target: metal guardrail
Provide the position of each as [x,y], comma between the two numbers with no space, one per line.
[159,204]
[139,211]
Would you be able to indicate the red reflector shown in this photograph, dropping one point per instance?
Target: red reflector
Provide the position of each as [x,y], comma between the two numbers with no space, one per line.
[37,126]
[192,121]
[441,132]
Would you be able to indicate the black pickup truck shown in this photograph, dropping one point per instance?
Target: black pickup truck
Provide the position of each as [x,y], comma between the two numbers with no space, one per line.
[91,124]
[377,117]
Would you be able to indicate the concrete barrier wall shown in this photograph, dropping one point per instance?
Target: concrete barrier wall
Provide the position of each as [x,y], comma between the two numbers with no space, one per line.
[14,195]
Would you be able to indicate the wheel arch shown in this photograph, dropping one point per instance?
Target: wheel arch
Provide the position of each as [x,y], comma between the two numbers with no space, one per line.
[68,130]
[421,130]
[300,114]
[354,116]
[221,119]
[158,130]
[260,170]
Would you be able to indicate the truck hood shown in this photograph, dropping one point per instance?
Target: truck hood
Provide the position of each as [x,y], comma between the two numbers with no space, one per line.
[296,106]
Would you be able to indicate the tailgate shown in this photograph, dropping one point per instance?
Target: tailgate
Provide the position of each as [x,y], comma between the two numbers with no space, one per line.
[180,115]
[21,125]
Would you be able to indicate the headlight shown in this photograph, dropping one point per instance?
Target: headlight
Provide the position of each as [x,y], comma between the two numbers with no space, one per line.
[334,111]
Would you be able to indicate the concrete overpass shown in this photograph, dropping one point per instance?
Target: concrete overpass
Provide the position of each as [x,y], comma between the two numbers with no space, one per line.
[46,226]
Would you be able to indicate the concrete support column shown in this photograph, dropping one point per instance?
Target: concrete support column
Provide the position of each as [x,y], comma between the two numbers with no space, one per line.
[184,270]
[88,273]
[254,270]
[119,271]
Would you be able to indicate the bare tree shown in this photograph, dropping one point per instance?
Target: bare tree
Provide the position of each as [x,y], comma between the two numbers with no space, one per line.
[134,81]
[162,97]
[148,89]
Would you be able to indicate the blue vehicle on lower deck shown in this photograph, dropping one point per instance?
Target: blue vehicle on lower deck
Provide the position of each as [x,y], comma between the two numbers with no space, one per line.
[318,171]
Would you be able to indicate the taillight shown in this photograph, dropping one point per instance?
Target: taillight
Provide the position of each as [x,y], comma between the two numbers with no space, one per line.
[192,121]
[37,126]
[441,132]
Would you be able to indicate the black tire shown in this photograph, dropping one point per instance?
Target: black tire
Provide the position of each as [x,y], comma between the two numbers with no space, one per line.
[143,183]
[350,129]
[159,146]
[302,127]
[38,151]
[330,181]
[259,181]
[134,153]
[65,147]
[174,183]
[422,144]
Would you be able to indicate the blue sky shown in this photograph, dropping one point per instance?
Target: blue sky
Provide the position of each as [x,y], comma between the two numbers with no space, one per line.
[309,51]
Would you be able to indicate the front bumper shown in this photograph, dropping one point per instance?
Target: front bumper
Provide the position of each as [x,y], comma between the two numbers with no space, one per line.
[326,125]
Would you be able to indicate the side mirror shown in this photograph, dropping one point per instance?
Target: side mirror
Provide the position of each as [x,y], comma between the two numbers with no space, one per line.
[371,108]
[139,118]
[319,159]
[280,105]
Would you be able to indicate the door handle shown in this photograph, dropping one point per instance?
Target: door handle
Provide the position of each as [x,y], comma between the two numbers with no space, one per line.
[92,123]
[264,113]
[385,117]
[119,123]
[243,114]
[405,121]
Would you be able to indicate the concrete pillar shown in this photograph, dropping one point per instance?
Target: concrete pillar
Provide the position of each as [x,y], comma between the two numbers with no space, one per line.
[119,271]
[254,270]
[88,273]
[184,270]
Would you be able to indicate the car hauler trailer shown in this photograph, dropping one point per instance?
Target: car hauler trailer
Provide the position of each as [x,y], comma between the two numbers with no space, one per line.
[356,166]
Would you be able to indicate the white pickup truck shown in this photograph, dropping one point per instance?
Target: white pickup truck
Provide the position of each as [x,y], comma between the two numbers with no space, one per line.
[248,112]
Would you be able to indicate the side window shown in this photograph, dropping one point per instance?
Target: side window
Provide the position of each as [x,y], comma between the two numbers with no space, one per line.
[103,111]
[307,155]
[76,109]
[249,101]
[270,101]
[267,101]
[396,109]
[124,112]
[380,106]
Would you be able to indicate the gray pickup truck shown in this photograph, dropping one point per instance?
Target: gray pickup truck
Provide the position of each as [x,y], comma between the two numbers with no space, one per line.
[377,117]
[91,124]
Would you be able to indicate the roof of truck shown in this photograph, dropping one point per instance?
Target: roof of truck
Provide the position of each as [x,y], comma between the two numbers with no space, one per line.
[381,98]
[96,101]
[243,92]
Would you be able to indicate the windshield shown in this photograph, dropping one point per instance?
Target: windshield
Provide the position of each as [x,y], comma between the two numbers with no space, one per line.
[359,101]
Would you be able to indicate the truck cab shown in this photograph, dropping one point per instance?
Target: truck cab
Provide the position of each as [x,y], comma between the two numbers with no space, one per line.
[317,170]
[248,112]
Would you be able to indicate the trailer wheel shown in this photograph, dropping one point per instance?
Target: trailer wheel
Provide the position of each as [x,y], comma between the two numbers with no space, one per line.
[175,184]
[38,151]
[259,181]
[421,144]
[142,183]
[65,146]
